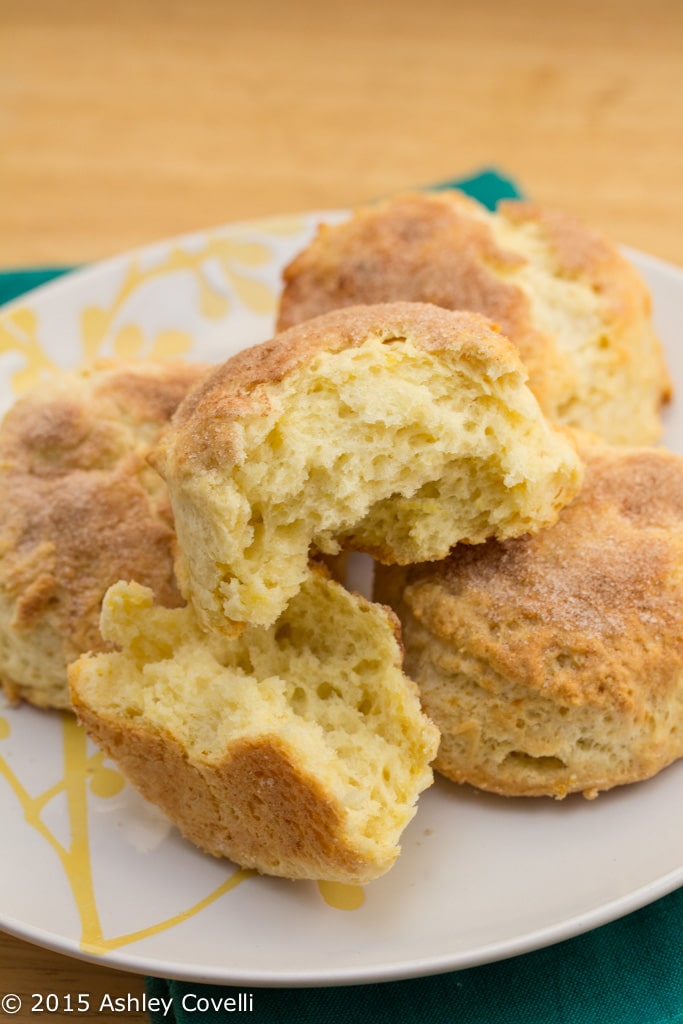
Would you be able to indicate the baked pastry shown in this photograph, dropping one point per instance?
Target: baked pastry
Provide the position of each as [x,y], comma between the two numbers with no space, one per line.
[298,750]
[553,663]
[577,310]
[397,429]
[82,509]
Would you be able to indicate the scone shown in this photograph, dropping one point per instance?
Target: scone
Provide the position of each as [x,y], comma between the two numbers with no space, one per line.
[298,750]
[553,663]
[577,310]
[81,509]
[396,429]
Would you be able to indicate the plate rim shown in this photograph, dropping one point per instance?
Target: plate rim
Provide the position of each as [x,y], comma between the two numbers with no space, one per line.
[530,942]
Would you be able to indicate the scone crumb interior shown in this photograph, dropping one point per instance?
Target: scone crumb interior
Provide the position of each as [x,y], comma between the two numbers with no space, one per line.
[405,429]
[319,695]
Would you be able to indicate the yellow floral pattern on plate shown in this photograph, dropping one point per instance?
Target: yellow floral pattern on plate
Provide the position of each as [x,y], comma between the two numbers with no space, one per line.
[79,767]
[235,257]
[83,770]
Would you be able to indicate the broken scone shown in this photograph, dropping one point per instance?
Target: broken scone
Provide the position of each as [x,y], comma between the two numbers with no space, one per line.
[553,663]
[81,509]
[575,307]
[298,750]
[396,429]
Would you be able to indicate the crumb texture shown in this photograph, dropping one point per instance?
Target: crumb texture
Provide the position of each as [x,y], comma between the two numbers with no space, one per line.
[553,663]
[298,750]
[398,430]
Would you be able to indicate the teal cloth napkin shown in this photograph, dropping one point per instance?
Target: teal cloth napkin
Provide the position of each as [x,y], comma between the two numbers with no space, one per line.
[14,283]
[626,972]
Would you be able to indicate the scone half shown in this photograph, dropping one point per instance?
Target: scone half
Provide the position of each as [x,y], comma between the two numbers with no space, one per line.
[298,750]
[397,429]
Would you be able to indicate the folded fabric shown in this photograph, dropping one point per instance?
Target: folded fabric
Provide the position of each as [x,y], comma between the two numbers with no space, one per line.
[14,283]
[626,972]
[488,186]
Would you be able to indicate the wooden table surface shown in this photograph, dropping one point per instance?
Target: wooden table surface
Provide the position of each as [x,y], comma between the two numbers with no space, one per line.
[126,122]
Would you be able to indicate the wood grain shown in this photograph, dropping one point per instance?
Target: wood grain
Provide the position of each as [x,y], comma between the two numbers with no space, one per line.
[126,122]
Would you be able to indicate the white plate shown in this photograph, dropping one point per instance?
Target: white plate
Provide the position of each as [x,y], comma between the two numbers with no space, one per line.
[90,870]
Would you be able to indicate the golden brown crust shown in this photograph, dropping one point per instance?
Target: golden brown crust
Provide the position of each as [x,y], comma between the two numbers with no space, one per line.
[119,534]
[256,807]
[417,248]
[85,510]
[447,250]
[414,247]
[202,425]
[584,618]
